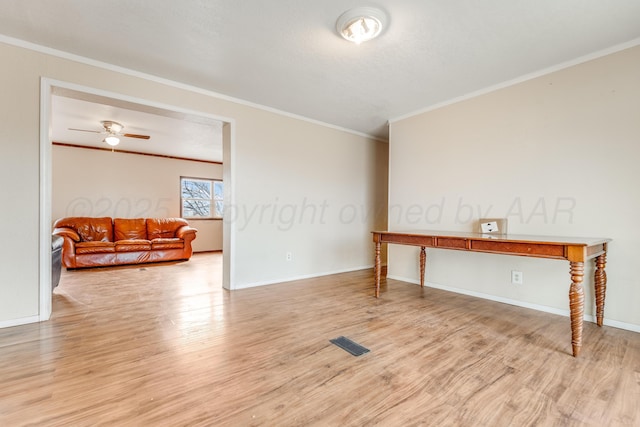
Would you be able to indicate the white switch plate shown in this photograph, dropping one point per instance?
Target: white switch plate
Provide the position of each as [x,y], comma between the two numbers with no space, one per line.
[489,227]
[501,224]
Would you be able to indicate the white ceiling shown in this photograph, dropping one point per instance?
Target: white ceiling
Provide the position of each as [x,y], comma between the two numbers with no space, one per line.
[171,133]
[286,54]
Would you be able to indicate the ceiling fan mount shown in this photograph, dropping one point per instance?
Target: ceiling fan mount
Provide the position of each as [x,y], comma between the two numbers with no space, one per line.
[111,126]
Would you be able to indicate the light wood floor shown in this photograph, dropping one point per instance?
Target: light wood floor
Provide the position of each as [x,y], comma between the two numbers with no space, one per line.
[165,345]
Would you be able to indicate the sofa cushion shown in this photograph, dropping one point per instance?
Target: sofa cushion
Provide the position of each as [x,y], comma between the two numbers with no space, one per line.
[94,247]
[132,245]
[89,229]
[129,229]
[159,228]
[167,243]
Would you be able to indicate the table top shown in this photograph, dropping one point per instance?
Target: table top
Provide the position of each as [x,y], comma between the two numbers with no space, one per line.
[503,237]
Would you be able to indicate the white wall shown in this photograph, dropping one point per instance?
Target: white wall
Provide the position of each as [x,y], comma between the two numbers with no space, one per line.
[96,183]
[317,197]
[271,161]
[556,155]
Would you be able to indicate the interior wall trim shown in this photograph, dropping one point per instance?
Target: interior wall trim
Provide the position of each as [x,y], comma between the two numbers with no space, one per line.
[521,79]
[64,144]
[546,309]
[17,322]
[306,276]
[111,67]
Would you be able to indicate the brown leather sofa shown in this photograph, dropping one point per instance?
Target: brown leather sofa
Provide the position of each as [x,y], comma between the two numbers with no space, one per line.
[99,242]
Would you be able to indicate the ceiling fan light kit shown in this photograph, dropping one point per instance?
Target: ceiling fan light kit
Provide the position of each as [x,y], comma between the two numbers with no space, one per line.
[112,140]
[361,24]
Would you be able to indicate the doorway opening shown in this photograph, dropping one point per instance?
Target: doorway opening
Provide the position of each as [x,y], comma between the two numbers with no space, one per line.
[66,106]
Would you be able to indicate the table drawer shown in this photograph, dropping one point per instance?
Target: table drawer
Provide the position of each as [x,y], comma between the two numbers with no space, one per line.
[451,243]
[407,239]
[542,250]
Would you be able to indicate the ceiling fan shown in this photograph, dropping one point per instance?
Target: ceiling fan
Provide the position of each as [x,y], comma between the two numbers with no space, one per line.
[113,132]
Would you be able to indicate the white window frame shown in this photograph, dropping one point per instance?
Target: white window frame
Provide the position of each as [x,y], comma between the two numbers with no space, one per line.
[213,214]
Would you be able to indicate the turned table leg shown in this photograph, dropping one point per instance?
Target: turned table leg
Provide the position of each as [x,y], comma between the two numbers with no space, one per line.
[423,262]
[377,269]
[576,305]
[600,286]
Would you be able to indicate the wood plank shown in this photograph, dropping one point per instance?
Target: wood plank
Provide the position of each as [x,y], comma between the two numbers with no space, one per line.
[166,345]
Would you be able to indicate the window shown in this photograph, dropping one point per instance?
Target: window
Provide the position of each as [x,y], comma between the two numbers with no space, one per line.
[201,198]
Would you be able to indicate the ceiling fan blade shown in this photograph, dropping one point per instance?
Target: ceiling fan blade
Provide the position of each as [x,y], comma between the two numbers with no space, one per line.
[133,135]
[85,130]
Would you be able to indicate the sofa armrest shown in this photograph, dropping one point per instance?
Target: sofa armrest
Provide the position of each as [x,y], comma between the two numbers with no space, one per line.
[67,232]
[186,232]
[70,237]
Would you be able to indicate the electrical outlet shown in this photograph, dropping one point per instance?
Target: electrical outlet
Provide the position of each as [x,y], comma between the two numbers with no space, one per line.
[289,256]
[517,277]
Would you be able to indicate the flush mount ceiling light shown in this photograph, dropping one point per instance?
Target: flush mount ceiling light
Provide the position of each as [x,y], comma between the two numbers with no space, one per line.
[361,24]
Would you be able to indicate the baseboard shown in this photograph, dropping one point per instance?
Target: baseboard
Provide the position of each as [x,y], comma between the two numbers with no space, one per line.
[306,276]
[590,318]
[619,325]
[383,270]
[17,322]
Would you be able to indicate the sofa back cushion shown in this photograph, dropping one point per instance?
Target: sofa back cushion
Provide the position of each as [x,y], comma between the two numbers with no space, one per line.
[161,228]
[129,229]
[89,229]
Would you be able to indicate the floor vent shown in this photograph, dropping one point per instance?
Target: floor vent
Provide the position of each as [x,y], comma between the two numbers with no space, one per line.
[350,346]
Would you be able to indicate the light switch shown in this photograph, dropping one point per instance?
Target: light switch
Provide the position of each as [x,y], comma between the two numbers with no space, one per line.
[490,227]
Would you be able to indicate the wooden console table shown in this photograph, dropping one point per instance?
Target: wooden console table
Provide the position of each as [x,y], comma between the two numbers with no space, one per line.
[573,249]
